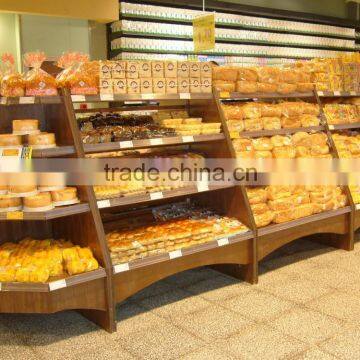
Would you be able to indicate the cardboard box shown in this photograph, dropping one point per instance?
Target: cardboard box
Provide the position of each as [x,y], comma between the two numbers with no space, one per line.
[170,69]
[206,85]
[118,70]
[206,70]
[157,68]
[106,86]
[119,86]
[159,85]
[105,70]
[194,69]
[183,85]
[195,85]
[171,85]
[144,69]
[146,85]
[132,69]
[133,86]
[183,69]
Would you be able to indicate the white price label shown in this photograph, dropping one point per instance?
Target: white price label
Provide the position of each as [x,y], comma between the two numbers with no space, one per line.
[156,195]
[223,241]
[78,98]
[107,97]
[55,285]
[121,268]
[185,96]
[27,100]
[337,93]
[331,127]
[320,93]
[156,142]
[202,186]
[357,206]
[0,286]
[175,254]
[148,96]
[126,144]
[3,101]
[188,138]
[103,204]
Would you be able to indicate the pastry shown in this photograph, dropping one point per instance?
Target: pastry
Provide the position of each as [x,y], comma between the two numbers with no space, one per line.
[66,196]
[42,140]
[25,127]
[39,202]
[8,203]
[8,140]
[22,190]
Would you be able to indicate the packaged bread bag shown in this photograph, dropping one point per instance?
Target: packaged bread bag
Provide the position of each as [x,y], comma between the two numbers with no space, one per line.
[12,83]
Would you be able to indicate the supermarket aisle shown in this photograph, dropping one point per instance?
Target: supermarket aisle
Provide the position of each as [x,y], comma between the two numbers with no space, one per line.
[305,307]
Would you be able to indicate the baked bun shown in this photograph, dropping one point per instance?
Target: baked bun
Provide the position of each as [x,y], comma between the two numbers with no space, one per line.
[42,140]
[39,202]
[265,88]
[246,87]
[26,126]
[8,203]
[69,194]
[10,140]
[225,73]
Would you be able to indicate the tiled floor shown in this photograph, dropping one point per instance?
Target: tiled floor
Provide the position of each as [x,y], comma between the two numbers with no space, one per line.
[306,306]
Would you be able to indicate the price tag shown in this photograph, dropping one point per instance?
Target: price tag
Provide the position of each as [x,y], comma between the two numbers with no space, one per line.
[3,101]
[55,285]
[15,215]
[175,254]
[126,144]
[185,96]
[155,142]
[188,138]
[353,93]
[27,100]
[107,97]
[224,94]
[357,206]
[320,93]
[103,204]
[202,186]
[148,96]
[337,93]
[156,195]
[78,98]
[331,127]
[0,286]
[121,268]
[223,241]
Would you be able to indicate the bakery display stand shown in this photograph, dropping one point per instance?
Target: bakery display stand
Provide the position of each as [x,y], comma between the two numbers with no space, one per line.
[91,292]
[337,223]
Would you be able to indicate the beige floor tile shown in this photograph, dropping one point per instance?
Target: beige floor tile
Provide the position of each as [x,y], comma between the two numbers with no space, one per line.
[161,342]
[296,288]
[190,277]
[174,304]
[213,323]
[344,346]
[258,306]
[219,288]
[160,287]
[340,305]
[314,354]
[109,353]
[16,352]
[307,325]
[262,342]
[208,352]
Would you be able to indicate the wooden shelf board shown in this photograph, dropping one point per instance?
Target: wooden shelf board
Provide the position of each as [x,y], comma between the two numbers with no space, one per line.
[303,221]
[28,100]
[55,283]
[135,264]
[58,212]
[53,152]
[282,131]
[338,93]
[240,96]
[345,126]
[147,197]
[146,143]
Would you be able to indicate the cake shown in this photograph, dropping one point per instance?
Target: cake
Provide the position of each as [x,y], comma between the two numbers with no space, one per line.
[39,202]
[10,140]
[42,140]
[22,190]
[25,127]
[8,203]
[65,196]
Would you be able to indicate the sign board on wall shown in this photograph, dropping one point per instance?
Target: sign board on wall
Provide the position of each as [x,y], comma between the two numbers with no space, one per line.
[204,32]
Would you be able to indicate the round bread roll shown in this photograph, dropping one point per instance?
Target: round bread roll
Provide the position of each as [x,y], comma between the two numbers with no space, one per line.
[264,219]
[10,140]
[69,193]
[40,200]
[22,189]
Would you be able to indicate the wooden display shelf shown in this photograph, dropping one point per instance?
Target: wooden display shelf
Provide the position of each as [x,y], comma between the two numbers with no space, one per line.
[157,195]
[146,143]
[132,277]
[224,95]
[140,97]
[282,131]
[344,126]
[337,93]
[30,100]
[357,217]
[55,283]
[56,213]
[58,151]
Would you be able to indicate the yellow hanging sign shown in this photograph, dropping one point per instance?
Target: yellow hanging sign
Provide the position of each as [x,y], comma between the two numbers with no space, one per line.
[204,32]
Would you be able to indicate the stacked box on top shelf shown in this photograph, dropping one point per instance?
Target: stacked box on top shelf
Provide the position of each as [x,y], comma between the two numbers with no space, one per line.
[160,77]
